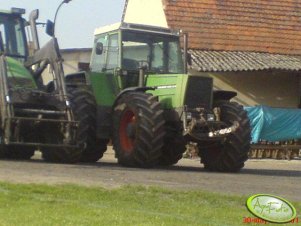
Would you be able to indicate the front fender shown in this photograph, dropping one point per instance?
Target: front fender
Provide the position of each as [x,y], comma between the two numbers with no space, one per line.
[75,79]
[223,95]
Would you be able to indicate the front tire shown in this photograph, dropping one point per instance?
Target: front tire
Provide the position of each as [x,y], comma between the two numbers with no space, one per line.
[138,130]
[54,135]
[19,152]
[16,152]
[230,154]
[2,145]
[174,144]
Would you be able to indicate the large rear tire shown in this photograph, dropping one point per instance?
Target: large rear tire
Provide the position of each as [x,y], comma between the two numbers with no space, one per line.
[83,105]
[138,130]
[174,144]
[230,154]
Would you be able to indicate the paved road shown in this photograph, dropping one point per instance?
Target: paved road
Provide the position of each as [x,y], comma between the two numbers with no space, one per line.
[278,177]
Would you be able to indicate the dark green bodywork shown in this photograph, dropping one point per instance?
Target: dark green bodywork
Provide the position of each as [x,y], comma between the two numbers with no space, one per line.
[105,88]
[18,75]
[170,88]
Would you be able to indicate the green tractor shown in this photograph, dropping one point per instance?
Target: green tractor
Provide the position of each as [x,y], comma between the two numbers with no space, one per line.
[33,115]
[137,93]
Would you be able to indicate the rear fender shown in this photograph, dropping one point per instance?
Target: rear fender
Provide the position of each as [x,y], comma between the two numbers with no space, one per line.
[72,80]
[130,90]
[76,79]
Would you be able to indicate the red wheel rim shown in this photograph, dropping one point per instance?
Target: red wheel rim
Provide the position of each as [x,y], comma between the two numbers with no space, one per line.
[127,140]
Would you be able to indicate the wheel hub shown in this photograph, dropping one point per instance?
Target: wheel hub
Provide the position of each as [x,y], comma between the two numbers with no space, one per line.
[130,130]
[127,131]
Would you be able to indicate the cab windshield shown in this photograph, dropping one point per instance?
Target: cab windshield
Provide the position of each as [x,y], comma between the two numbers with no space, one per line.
[12,39]
[156,52]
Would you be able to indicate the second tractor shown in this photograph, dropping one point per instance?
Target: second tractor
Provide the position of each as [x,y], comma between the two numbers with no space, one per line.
[138,94]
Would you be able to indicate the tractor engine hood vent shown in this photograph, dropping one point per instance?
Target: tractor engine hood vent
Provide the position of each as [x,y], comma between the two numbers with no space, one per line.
[199,92]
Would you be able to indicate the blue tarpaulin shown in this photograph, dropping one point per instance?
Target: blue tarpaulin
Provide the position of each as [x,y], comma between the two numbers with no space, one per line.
[274,124]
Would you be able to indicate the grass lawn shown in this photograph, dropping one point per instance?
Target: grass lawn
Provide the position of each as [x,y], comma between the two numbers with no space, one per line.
[130,205]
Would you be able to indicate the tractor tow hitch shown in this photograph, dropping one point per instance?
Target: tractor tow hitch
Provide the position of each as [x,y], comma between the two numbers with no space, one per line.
[201,124]
[201,130]
[224,131]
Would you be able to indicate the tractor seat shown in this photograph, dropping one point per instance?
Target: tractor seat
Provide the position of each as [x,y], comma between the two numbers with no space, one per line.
[130,64]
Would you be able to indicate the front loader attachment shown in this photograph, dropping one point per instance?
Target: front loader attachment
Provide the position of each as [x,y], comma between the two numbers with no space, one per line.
[36,119]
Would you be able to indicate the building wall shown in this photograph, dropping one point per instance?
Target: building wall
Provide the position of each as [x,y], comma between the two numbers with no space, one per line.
[70,63]
[275,89]
[71,60]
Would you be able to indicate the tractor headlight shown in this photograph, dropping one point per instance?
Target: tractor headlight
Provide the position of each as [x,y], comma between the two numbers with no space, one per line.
[7,99]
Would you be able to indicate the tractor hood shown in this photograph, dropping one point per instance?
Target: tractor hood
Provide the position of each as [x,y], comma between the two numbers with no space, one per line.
[18,75]
[177,90]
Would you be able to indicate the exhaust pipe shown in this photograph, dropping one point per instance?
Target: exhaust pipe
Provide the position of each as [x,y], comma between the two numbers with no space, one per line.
[34,15]
[185,40]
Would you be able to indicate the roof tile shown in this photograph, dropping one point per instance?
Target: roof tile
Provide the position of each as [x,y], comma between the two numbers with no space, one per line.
[272,26]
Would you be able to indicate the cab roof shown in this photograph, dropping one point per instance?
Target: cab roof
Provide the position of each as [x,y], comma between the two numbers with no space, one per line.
[5,11]
[135,27]
[13,11]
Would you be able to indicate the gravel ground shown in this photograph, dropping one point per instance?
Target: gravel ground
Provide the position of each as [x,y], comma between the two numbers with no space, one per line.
[278,177]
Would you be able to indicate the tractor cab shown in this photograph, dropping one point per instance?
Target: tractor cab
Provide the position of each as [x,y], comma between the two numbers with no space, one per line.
[12,34]
[13,45]
[127,48]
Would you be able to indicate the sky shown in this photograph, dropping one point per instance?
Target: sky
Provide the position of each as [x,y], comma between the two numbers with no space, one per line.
[76,21]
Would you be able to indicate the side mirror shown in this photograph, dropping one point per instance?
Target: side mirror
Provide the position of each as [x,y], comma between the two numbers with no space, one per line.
[99,48]
[50,28]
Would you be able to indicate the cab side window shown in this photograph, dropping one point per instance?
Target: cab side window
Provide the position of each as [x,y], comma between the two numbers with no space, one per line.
[98,60]
[113,52]
[105,54]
